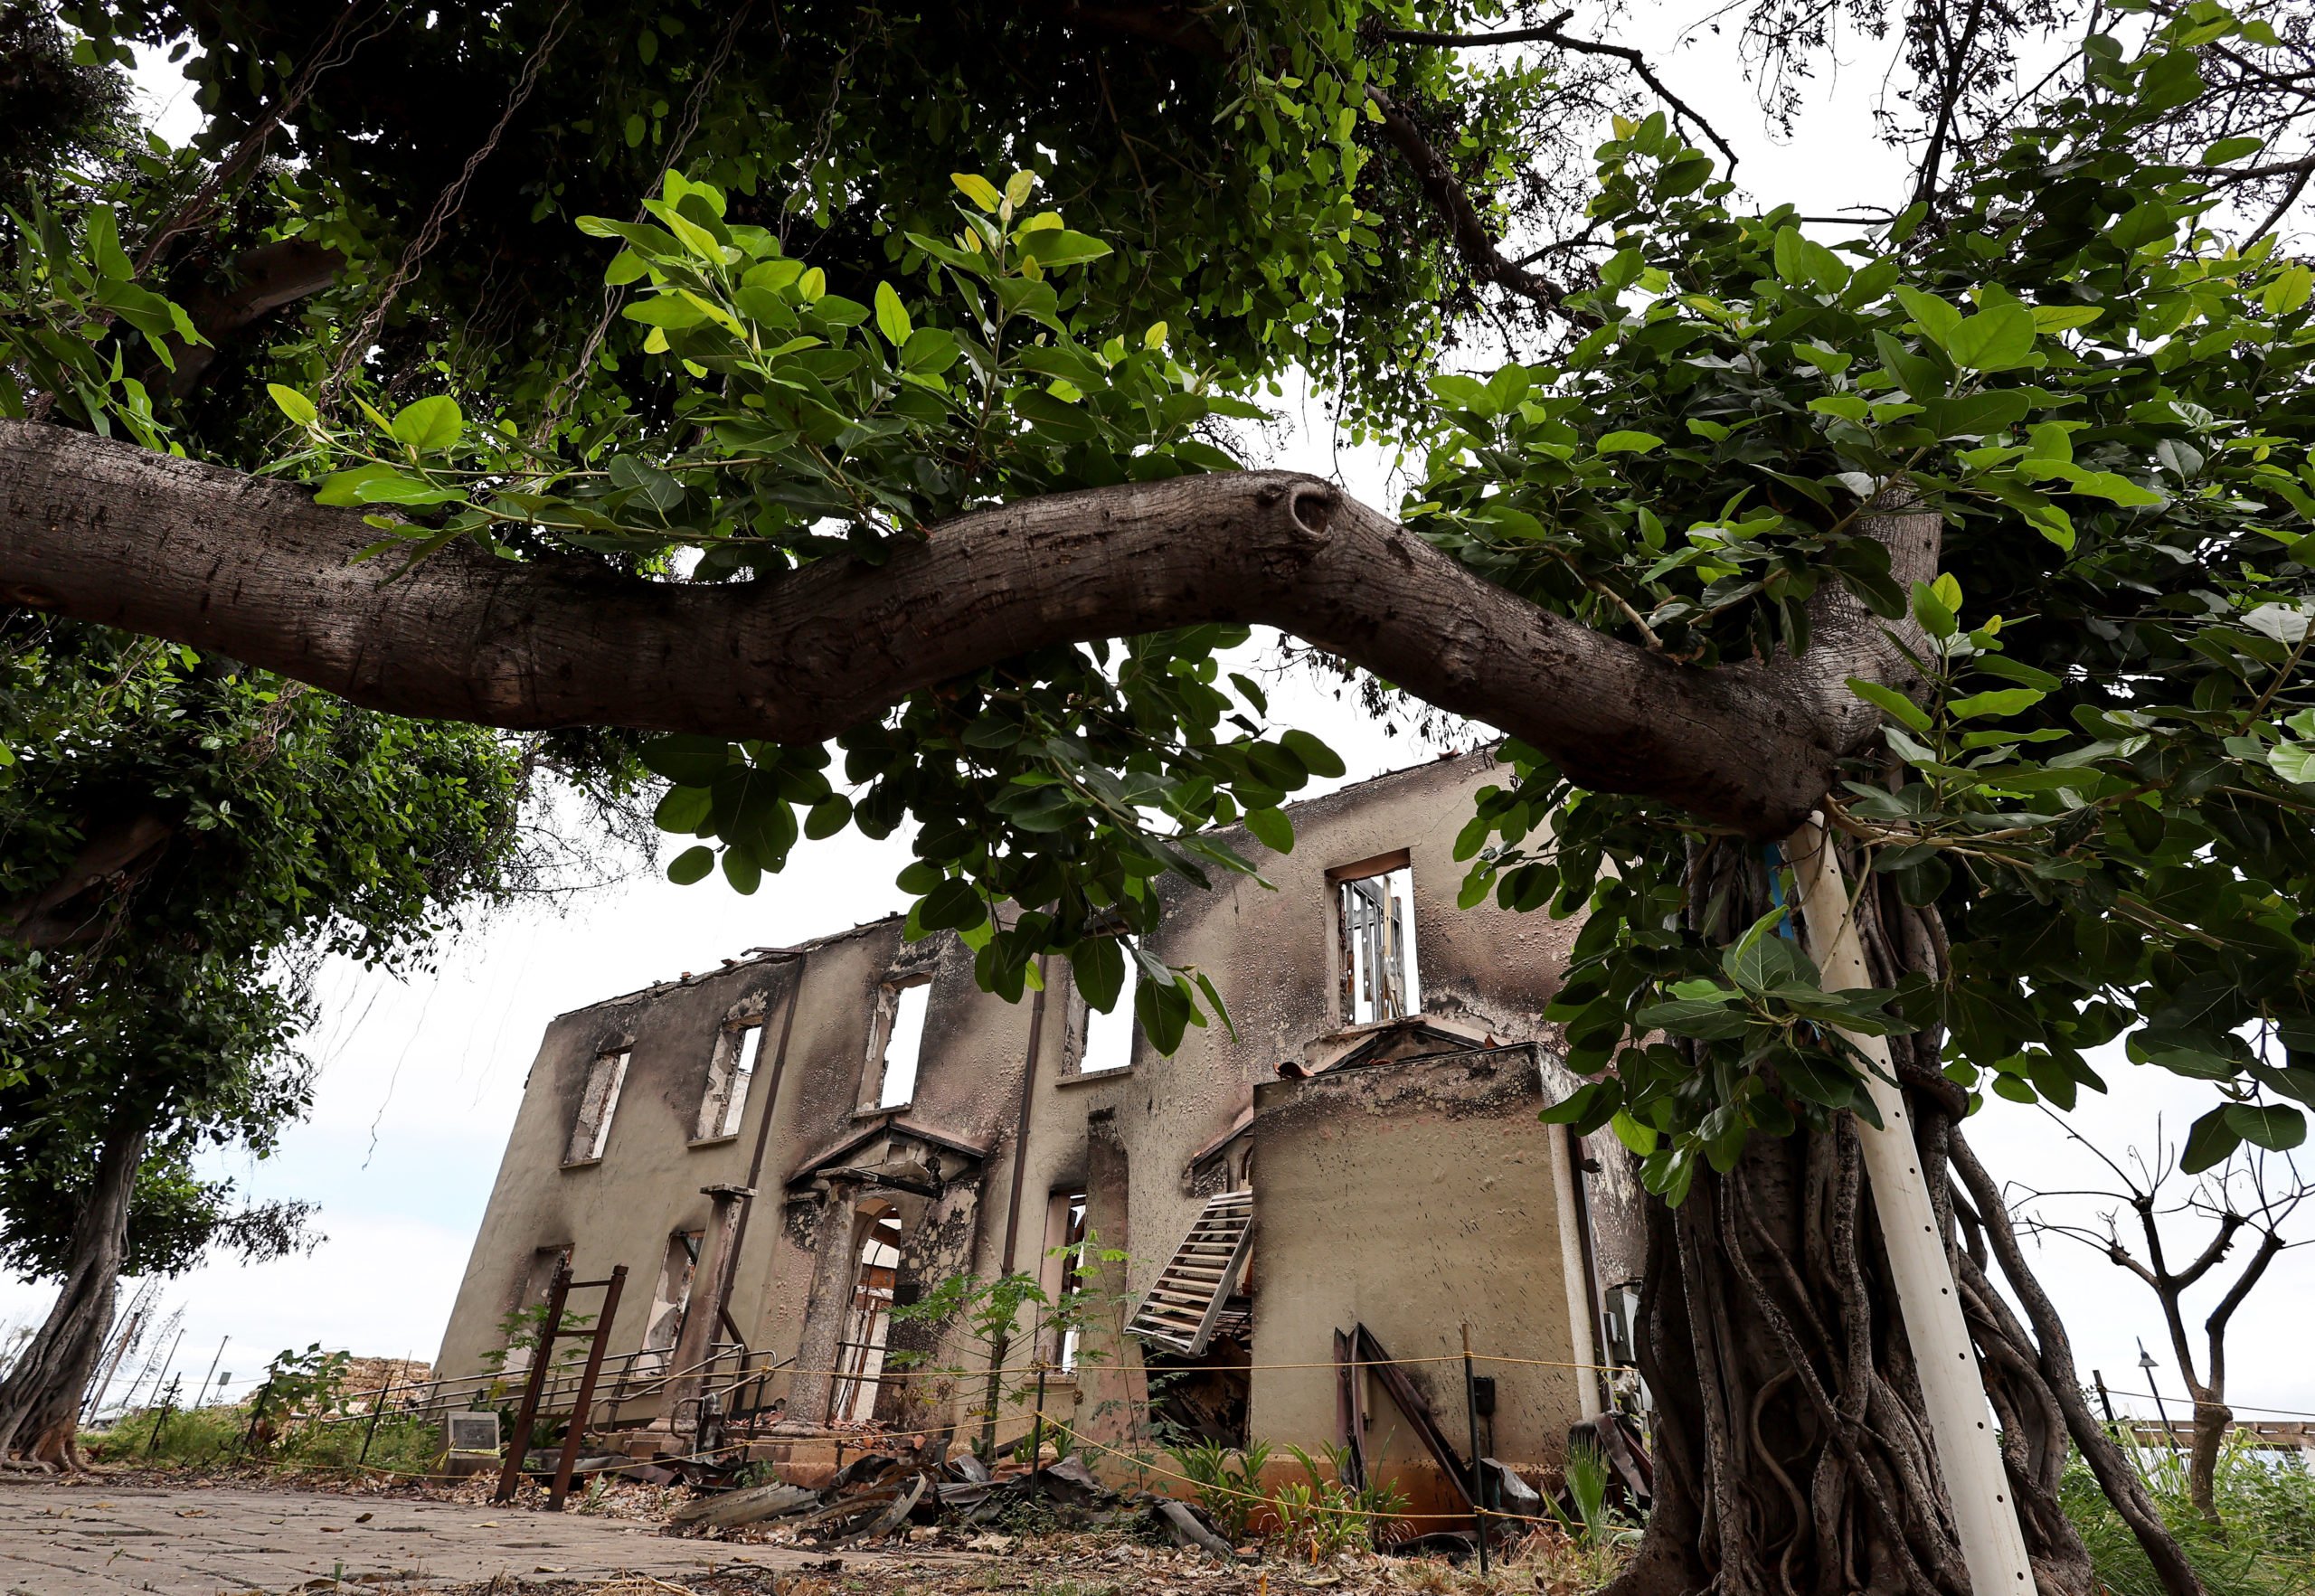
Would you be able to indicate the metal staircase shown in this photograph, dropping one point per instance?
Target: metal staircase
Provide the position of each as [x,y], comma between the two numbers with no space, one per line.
[1191,1301]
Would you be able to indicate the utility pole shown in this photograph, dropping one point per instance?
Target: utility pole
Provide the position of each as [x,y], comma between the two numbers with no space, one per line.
[2145,1361]
[1952,1389]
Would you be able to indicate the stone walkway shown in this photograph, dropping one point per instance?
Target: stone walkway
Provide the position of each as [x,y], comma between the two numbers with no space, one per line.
[93,1539]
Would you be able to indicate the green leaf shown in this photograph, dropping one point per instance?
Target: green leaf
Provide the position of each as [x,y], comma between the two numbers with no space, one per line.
[293,404]
[104,244]
[1641,1139]
[892,316]
[685,758]
[954,905]
[2293,761]
[1806,263]
[2210,1142]
[2288,289]
[1935,616]
[1272,828]
[428,425]
[1933,315]
[1627,443]
[2274,1127]
[1892,702]
[680,809]
[1994,340]
[1317,758]
[692,865]
[1058,246]
[2000,701]
[979,190]
[741,869]
[1097,965]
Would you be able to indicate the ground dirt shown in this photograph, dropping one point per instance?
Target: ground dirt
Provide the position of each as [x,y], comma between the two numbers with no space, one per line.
[173,1534]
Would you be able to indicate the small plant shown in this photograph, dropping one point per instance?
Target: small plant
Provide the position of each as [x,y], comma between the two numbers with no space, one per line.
[1228,1491]
[1591,1523]
[1321,1517]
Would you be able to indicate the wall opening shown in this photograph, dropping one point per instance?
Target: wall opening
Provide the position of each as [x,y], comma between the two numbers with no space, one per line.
[1100,1042]
[1062,1278]
[867,1322]
[730,1073]
[1374,920]
[901,1011]
[592,1131]
[670,1302]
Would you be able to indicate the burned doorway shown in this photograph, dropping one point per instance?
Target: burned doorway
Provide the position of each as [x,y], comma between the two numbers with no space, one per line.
[868,1315]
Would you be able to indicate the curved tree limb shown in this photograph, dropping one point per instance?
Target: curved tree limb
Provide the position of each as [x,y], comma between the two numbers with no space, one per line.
[106,533]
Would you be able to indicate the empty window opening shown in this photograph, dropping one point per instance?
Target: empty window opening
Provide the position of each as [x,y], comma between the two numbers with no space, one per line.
[591,1132]
[867,1325]
[730,1074]
[903,1042]
[669,1303]
[1065,1278]
[1379,977]
[1103,1042]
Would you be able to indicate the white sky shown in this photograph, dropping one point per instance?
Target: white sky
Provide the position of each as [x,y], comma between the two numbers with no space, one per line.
[419,1079]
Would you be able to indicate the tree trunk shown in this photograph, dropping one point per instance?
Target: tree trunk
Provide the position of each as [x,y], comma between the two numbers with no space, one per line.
[1793,1454]
[2212,1420]
[39,1400]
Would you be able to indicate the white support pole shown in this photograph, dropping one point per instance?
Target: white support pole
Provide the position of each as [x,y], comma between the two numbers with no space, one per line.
[1960,1417]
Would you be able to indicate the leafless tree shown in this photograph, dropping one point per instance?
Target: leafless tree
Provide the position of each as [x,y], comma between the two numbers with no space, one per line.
[2249,1198]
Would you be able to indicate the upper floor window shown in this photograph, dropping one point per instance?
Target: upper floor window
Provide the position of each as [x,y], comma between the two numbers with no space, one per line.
[1098,1043]
[730,1072]
[592,1131]
[1375,916]
[898,1042]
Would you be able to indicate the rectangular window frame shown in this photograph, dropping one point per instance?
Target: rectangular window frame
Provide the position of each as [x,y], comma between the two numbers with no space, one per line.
[591,1128]
[1395,924]
[1078,1030]
[883,1026]
[731,1081]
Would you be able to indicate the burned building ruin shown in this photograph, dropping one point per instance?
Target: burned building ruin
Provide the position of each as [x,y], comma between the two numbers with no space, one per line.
[783,1151]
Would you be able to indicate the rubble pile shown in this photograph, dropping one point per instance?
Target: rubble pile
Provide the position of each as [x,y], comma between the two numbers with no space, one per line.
[877,1497]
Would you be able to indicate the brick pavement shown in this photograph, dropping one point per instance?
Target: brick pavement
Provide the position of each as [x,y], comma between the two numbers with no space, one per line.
[90,1538]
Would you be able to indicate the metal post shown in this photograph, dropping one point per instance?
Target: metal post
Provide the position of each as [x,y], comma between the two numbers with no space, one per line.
[168,1401]
[1478,1471]
[1037,1424]
[203,1395]
[1952,1389]
[510,1476]
[2104,1401]
[585,1400]
[378,1411]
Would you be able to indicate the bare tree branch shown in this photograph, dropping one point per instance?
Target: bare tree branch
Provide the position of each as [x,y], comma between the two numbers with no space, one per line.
[1553,33]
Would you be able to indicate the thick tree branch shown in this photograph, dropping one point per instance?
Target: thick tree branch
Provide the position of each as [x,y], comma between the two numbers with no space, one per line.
[258,282]
[110,533]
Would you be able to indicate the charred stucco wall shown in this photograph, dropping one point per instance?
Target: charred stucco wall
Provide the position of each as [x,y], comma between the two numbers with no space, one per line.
[1411,1197]
[1275,954]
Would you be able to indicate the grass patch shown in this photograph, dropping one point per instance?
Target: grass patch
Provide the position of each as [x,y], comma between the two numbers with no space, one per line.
[2263,1545]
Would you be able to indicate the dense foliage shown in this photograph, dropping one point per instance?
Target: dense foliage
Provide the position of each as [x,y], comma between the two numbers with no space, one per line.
[2103,784]
[285,825]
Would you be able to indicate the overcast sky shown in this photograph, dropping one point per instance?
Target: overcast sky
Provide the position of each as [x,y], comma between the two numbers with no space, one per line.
[419,1079]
